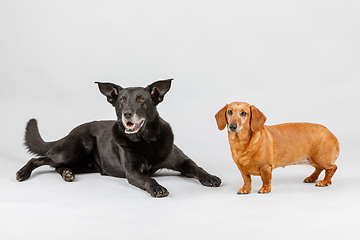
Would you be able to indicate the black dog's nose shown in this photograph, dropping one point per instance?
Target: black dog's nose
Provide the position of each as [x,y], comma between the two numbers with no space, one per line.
[128,114]
[233,126]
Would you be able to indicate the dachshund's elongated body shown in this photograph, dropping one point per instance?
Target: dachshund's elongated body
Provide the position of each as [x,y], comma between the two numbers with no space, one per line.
[258,149]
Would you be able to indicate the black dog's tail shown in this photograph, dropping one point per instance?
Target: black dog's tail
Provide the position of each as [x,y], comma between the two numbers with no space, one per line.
[33,141]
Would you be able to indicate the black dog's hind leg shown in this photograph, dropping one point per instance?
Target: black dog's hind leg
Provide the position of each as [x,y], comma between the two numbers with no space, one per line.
[66,173]
[183,164]
[25,172]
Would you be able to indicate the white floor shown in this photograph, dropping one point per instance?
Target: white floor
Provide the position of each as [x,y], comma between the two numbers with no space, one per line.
[98,207]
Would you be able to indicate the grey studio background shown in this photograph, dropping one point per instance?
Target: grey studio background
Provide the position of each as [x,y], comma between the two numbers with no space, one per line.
[295,60]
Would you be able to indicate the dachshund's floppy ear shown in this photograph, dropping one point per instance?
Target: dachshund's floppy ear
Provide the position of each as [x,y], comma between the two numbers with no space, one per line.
[110,90]
[257,119]
[220,117]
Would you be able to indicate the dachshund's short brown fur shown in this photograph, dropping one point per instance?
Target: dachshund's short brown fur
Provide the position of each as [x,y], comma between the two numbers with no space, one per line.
[258,149]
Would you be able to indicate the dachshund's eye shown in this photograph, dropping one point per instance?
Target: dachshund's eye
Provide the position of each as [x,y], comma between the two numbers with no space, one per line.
[243,114]
[140,99]
[123,99]
[230,112]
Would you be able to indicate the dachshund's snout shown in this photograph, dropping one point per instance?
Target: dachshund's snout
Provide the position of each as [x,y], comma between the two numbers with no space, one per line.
[233,127]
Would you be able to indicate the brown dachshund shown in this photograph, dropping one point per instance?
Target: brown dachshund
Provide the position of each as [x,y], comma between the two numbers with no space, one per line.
[258,149]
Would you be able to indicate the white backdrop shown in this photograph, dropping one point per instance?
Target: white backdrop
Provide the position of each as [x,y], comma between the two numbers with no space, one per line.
[294,60]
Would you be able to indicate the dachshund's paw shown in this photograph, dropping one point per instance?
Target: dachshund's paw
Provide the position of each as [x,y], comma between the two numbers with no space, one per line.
[264,189]
[244,190]
[210,181]
[310,180]
[158,191]
[22,175]
[68,175]
[323,183]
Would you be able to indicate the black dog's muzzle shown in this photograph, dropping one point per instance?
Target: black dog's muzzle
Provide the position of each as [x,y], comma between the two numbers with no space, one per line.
[132,122]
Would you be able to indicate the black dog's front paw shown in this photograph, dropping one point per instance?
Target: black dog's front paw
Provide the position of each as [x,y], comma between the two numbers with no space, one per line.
[210,181]
[158,191]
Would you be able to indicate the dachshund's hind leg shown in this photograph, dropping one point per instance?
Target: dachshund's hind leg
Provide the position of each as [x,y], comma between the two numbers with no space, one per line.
[313,177]
[329,173]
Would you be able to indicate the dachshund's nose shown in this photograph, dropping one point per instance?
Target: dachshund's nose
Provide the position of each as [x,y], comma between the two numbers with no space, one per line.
[128,114]
[233,126]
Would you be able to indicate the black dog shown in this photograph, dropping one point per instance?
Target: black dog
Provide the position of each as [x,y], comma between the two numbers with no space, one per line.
[135,146]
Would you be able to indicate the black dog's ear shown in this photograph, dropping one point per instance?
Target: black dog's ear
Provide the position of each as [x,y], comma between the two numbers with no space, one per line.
[110,90]
[159,89]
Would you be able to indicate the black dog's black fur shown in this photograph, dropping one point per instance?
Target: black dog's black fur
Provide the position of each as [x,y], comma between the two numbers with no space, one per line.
[135,146]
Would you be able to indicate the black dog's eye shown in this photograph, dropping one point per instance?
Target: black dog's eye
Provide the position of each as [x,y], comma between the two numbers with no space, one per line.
[140,99]
[123,99]
[230,112]
[243,114]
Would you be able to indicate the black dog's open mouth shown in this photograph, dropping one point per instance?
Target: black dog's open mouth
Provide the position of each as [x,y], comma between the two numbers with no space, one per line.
[131,127]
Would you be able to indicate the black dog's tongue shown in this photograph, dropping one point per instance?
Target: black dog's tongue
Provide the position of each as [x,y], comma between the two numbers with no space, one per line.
[131,127]
[130,124]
